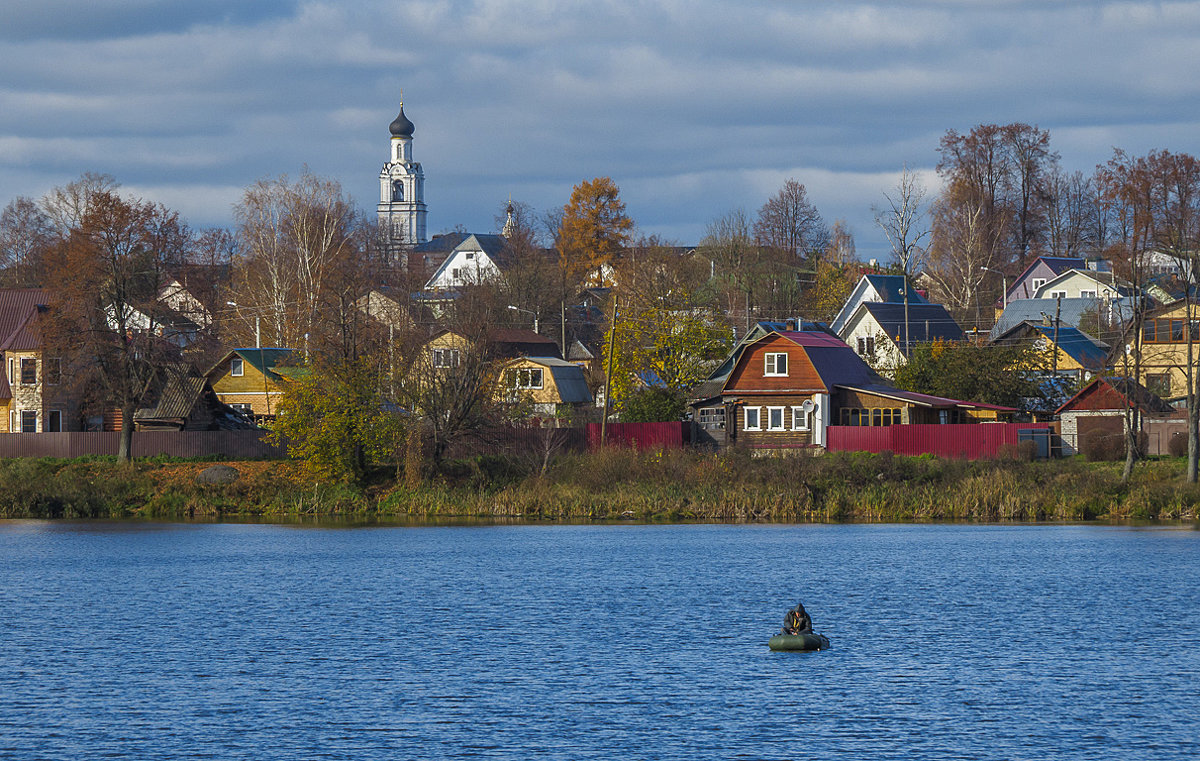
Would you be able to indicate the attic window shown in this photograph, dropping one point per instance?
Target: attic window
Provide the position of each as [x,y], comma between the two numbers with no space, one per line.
[1036,283]
[470,255]
[527,378]
[776,364]
[237,367]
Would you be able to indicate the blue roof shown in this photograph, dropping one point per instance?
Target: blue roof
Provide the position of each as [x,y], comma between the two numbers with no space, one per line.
[1077,345]
[928,322]
[891,289]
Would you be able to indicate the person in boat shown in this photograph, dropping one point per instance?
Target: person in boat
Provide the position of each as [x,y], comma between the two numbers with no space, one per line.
[797,621]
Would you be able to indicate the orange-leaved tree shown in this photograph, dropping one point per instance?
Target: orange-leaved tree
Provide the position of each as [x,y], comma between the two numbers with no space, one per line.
[594,229]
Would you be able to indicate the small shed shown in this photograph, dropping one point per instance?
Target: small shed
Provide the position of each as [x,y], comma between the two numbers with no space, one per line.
[1099,409]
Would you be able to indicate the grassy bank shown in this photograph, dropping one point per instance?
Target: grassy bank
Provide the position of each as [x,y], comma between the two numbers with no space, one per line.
[617,484]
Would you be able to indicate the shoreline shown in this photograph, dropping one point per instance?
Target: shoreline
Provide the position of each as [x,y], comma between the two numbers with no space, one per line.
[617,486]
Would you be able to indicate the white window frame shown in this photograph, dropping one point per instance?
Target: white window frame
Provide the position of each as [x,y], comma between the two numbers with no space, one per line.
[1057,294]
[11,370]
[523,378]
[237,367]
[1087,294]
[446,358]
[757,419]
[799,419]
[1036,283]
[770,425]
[866,346]
[771,364]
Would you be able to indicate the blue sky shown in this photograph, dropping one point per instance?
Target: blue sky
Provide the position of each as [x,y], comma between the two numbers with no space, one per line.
[694,107]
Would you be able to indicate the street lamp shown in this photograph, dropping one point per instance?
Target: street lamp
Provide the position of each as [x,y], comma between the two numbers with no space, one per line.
[1003,283]
[527,311]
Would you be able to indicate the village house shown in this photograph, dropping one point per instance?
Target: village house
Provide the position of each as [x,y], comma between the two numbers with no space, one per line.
[1084,284]
[251,380]
[1041,271]
[552,387]
[788,387]
[1062,350]
[1165,336]
[887,289]
[33,395]
[1099,409]
[881,335]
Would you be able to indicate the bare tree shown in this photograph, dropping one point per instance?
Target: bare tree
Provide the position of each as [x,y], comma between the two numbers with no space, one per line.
[966,240]
[1071,211]
[901,221]
[25,236]
[66,206]
[790,224]
[108,319]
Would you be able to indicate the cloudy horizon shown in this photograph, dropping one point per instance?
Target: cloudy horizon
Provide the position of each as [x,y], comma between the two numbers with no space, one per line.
[693,108]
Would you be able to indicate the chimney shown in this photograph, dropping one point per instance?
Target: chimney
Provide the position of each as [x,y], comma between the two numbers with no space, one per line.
[791,325]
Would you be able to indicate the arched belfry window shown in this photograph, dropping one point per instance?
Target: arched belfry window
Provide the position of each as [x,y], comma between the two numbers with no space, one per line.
[397,190]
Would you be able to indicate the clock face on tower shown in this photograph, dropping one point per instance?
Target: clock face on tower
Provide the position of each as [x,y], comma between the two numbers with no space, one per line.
[397,190]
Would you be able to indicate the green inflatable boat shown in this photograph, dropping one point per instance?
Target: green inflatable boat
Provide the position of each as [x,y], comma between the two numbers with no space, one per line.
[798,642]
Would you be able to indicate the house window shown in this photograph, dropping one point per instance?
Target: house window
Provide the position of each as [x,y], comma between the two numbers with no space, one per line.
[1036,283]
[28,372]
[800,420]
[712,418]
[1087,294]
[866,346]
[53,370]
[1176,331]
[776,365]
[874,416]
[456,273]
[54,421]
[28,421]
[527,378]
[243,408]
[237,367]
[470,255]
[1159,384]
[1058,294]
[1149,335]
[446,358]
[753,418]
[775,418]
[11,372]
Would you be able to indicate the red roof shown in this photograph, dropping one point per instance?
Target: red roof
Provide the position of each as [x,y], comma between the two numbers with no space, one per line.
[16,306]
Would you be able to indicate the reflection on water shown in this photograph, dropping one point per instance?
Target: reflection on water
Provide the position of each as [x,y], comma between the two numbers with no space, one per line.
[142,640]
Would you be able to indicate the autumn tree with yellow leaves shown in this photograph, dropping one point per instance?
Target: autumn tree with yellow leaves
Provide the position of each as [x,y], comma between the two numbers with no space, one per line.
[594,230]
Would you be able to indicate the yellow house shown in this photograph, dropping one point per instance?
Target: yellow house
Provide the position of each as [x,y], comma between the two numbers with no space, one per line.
[549,384]
[1165,348]
[33,397]
[1064,349]
[249,380]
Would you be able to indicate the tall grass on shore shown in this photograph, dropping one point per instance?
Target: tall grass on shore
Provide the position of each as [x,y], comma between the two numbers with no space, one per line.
[618,484]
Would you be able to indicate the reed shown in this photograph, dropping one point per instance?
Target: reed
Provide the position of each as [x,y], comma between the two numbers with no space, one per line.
[615,485]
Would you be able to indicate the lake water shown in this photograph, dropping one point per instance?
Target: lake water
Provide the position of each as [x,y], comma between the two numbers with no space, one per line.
[162,641]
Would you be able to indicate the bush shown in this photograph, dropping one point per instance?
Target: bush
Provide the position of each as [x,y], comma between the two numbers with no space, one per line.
[653,405]
[1178,445]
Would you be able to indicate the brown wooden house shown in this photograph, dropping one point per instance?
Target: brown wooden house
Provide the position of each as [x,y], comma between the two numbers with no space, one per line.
[788,387]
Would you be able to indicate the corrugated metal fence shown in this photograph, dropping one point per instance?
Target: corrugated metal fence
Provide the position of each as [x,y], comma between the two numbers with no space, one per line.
[235,445]
[967,441]
[640,435]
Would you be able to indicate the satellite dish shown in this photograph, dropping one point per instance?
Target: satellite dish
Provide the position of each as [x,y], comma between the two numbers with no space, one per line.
[808,405]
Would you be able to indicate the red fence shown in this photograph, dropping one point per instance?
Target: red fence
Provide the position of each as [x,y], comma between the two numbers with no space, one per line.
[236,445]
[969,441]
[640,435]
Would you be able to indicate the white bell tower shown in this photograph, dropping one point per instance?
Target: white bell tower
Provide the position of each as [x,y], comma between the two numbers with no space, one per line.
[402,187]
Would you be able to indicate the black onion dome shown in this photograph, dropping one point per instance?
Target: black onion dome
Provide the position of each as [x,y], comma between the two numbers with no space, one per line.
[401,126]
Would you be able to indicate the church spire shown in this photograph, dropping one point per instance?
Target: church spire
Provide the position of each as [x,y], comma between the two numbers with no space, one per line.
[510,225]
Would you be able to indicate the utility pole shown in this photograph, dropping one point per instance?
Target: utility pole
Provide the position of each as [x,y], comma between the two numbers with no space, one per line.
[1057,313]
[563,313]
[612,339]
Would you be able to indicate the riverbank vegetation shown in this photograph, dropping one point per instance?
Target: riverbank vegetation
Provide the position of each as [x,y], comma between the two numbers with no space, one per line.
[614,485]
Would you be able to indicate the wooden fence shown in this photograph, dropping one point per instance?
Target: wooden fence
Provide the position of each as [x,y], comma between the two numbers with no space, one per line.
[235,445]
[969,441]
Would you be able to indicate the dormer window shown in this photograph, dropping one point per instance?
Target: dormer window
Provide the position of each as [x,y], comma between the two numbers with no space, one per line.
[237,367]
[776,364]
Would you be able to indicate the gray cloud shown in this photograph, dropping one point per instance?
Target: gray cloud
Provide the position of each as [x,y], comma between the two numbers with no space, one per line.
[693,107]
